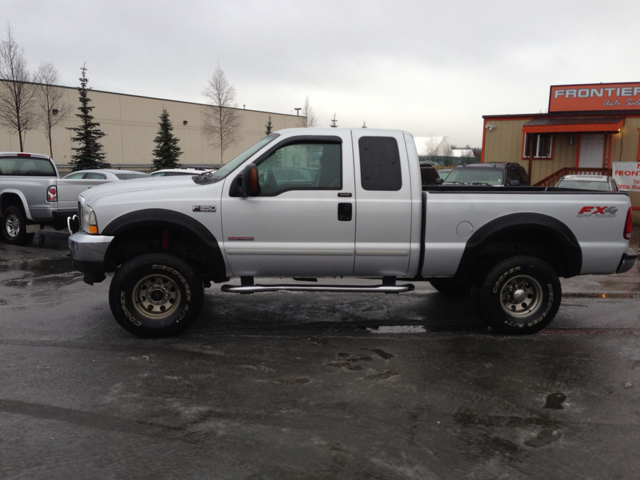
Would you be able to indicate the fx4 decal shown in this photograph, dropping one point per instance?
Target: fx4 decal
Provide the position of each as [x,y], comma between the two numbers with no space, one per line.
[597,212]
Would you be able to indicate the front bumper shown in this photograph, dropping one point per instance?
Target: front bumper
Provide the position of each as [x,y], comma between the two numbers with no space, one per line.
[627,262]
[88,254]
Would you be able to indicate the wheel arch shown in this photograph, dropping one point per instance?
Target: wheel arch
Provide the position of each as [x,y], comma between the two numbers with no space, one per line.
[162,230]
[523,233]
[13,197]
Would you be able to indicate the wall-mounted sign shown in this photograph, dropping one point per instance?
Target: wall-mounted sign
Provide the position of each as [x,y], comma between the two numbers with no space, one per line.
[627,176]
[595,97]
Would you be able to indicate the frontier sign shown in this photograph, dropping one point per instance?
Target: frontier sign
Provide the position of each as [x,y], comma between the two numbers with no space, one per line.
[595,97]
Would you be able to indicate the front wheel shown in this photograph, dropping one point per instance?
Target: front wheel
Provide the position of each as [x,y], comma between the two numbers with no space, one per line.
[520,295]
[156,295]
[14,226]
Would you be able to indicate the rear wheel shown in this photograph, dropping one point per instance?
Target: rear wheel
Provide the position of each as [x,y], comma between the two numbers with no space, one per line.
[520,295]
[156,295]
[14,226]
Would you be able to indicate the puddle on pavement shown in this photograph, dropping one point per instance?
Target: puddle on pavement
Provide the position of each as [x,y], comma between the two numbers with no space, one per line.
[602,295]
[398,329]
[50,266]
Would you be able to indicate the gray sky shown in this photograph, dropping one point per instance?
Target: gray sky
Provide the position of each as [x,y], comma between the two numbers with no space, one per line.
[429,67]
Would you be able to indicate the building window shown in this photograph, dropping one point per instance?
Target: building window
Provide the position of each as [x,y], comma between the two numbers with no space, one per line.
[542,145]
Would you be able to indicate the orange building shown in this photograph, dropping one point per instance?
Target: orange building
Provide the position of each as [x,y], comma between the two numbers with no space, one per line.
[588,128]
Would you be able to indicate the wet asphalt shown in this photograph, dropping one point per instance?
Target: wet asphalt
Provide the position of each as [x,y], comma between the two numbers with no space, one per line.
[313,386]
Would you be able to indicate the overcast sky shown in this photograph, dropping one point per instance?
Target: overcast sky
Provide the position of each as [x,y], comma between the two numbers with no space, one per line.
[429,67]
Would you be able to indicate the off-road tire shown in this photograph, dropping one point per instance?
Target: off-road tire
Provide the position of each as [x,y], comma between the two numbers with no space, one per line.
[520,295]
[14,226]
[156,295]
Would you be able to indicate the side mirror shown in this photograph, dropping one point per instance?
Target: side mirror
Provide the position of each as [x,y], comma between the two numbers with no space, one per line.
[439,181]
[513,183]
[250,181]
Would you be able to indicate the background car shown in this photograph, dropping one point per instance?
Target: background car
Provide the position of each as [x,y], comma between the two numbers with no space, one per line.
[173,172]
[601,183]
[429,174]
[106,174]
[444,172]
[493,173]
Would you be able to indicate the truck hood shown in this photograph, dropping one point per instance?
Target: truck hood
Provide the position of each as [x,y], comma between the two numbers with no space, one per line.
[169,187]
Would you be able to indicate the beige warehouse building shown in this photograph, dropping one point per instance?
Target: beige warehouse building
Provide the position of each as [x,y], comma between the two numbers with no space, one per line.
[131,123]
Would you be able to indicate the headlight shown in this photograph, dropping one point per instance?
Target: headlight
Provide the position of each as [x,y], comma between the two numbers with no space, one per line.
[88,220]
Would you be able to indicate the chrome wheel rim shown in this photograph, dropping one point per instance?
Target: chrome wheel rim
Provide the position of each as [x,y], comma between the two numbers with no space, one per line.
[12,225]
[156,296]
[521,296]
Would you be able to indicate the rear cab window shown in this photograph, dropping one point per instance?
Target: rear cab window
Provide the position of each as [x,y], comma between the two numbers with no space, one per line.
[380,164]
[26,166]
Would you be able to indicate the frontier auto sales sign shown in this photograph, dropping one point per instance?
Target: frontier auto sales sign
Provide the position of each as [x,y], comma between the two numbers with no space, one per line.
[627,176]
[595,97]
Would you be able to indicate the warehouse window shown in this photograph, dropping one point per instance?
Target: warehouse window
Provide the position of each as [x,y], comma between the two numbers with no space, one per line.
[542,145]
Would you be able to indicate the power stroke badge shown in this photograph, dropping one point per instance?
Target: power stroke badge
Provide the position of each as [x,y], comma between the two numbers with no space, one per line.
[204,208]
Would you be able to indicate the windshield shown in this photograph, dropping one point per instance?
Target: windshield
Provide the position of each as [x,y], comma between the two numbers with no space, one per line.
[131,176]
[584,185]
[231,166]
[476,175]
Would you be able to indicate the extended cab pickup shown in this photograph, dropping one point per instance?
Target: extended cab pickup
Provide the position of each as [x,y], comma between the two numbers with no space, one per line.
[32,195]
[341,202]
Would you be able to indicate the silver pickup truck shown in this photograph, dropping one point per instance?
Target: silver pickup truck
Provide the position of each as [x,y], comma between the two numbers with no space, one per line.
[32,195]
[342,203]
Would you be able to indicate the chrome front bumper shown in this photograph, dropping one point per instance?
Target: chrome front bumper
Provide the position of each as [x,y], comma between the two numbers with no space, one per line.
[88,253]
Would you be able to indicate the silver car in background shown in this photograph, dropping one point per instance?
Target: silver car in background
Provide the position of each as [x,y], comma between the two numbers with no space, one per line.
[601,183]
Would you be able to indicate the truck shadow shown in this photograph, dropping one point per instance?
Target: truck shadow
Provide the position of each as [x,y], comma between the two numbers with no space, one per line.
[286,311]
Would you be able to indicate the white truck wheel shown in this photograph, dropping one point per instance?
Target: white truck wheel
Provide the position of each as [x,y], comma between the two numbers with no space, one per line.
[156,295]
[520,295]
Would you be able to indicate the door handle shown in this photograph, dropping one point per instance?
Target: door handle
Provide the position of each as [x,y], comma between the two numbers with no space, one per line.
[345,212]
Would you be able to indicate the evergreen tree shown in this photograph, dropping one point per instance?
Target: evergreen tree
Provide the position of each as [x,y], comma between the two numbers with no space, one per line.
[269,126]
[334,121]
[89,154]
[167,150]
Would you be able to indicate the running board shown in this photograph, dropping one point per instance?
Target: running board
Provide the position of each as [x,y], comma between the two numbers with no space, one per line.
[318,288]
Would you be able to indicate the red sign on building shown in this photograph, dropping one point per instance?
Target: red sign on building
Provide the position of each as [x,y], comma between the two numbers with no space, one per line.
[595,97]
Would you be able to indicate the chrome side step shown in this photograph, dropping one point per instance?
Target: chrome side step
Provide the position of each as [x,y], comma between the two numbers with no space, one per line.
[318,288]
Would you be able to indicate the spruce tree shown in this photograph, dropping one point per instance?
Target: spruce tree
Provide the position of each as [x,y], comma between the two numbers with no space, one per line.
[167,150]
[89,154]
[334,121]
[269,126]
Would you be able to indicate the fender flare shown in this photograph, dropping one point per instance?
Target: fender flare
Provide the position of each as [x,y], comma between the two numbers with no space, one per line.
[511,223]
[154,217]
[23,200]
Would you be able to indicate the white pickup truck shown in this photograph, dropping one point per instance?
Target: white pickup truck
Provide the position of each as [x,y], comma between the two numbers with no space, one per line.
[341,203]
[33,196]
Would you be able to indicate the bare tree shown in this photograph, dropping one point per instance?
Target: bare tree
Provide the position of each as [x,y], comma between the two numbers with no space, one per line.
[308,119]
[221,123]
[431,146]
[51,109]
[17,93]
